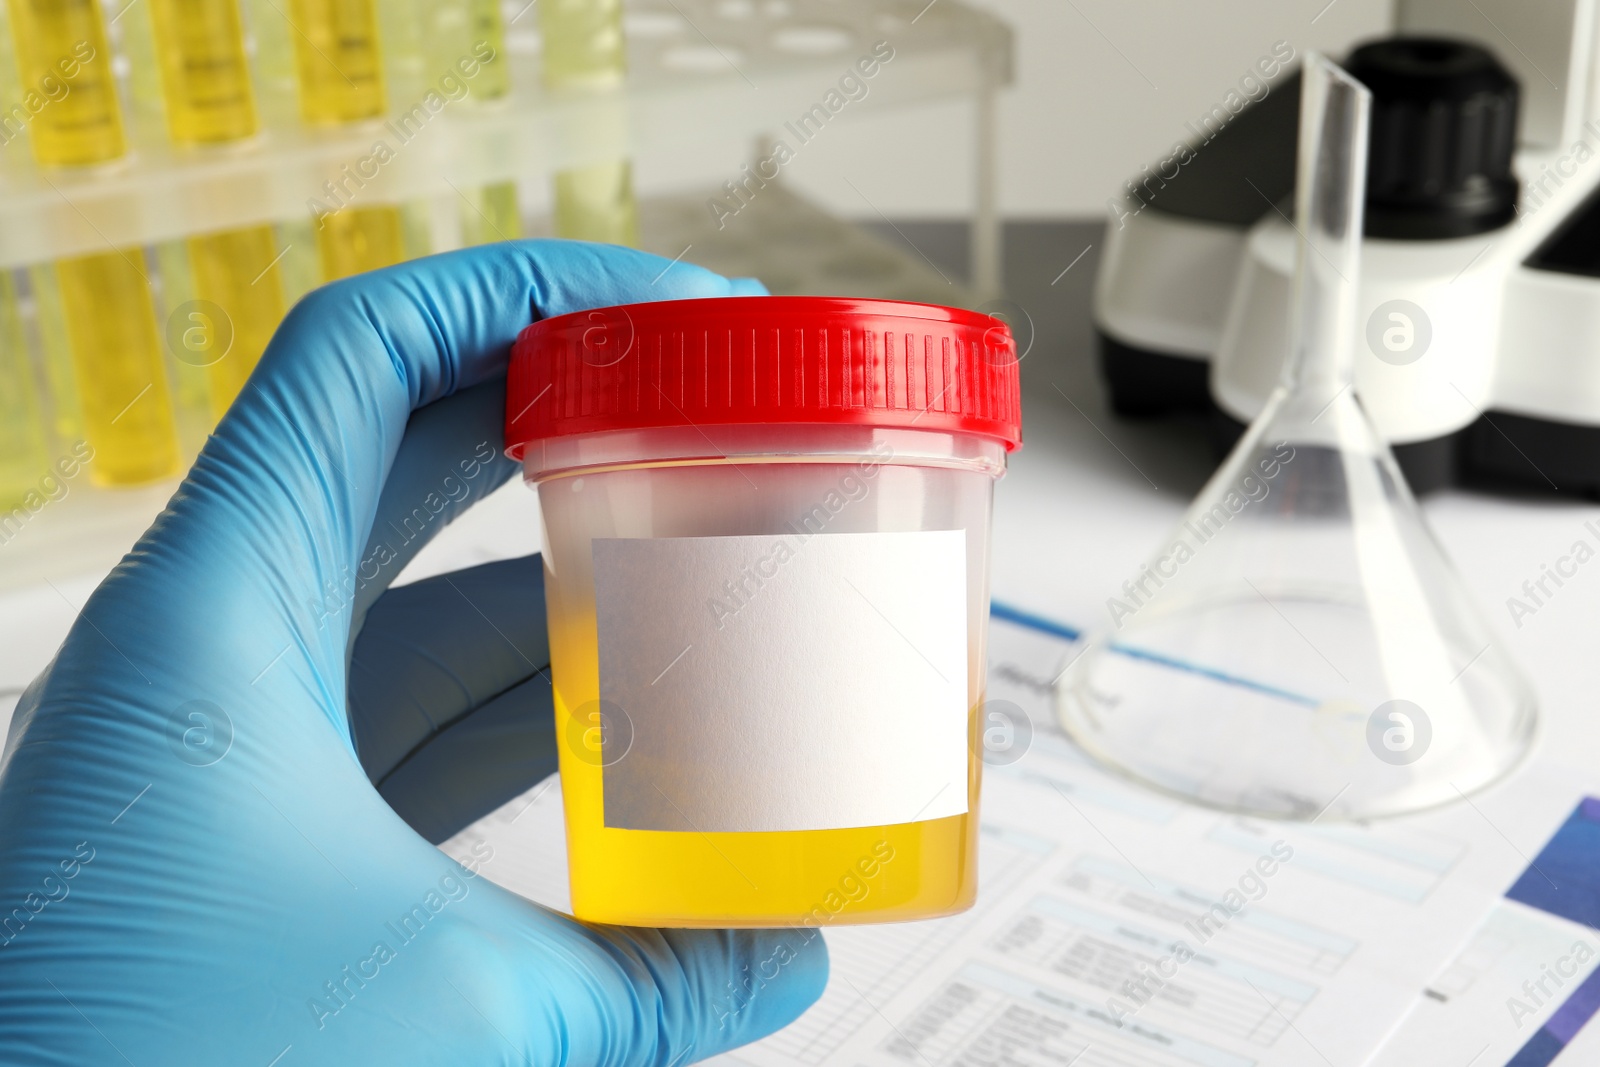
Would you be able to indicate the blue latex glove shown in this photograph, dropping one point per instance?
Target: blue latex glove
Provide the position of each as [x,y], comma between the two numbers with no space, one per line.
[194,865]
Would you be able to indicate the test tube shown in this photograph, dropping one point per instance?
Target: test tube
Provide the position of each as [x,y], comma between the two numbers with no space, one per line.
[116,353]
[189,344]
[439,34]
[237,271]
[491,213]
[341,80]
[105,297]
[278,101]
[206,87]
[10,92]
[61,381]
[583,44]
[23,458]
[276,78]
[135,46]
[205,78]
[494,76]
[65,41]
[583,49]
[337,60]
[596,203]
[407,30]
[358,239]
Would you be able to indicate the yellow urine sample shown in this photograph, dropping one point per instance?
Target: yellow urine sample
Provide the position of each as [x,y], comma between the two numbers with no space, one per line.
[458,32]
[337,59]
[117,360]
[274,56]
[205,77]
[63,43]
[491,212]
[360,239]
[23,459]
[494,77]
[206,86]
[492,215]
[583,48]
[65,417]
[406,29]
[596,203]
[190,342]
[238,272]
[871,874]
[583,44]
[300,269]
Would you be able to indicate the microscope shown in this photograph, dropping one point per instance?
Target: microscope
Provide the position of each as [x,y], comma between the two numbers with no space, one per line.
[1478,348]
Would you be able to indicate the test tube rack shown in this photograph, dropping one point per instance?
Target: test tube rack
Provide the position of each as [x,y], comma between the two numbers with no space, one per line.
[707,80]
[703,75]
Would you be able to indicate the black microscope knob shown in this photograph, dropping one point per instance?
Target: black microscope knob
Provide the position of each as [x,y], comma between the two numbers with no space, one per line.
[1444,125]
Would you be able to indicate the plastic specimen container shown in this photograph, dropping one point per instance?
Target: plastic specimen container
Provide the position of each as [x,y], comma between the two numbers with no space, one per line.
[766,529]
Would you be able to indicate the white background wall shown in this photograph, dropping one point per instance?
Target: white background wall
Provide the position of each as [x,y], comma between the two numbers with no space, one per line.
[1102,87]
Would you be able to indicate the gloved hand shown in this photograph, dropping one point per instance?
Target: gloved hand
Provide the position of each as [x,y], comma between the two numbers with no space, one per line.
[194,865]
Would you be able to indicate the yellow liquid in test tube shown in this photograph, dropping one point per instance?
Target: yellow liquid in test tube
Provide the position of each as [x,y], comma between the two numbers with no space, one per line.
[583,48]
[337,60]
[64,41]
[209,98]
[491,213]
[237,272]
[116,356]
[360,239]
[22,430]
[596,203]
[583,44]
[105,298]
[917,869]
[204,75]
[494,76]
[341,80]
[276,76]
[61,383]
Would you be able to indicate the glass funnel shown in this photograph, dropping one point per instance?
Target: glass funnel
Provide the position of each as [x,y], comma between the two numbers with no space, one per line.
[1299,646]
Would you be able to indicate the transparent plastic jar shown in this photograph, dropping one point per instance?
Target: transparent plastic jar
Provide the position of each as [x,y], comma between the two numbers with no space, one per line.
[766,575]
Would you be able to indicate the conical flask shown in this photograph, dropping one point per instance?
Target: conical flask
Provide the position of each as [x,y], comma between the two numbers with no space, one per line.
[1299,646]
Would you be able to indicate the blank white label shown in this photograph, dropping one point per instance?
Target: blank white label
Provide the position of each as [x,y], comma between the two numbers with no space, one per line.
[773,683]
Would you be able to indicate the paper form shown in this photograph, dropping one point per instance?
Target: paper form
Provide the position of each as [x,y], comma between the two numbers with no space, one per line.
[1089,885]
[1525,988]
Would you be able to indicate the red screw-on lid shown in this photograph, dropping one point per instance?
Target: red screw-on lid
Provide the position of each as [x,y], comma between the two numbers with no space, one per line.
[764,359]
